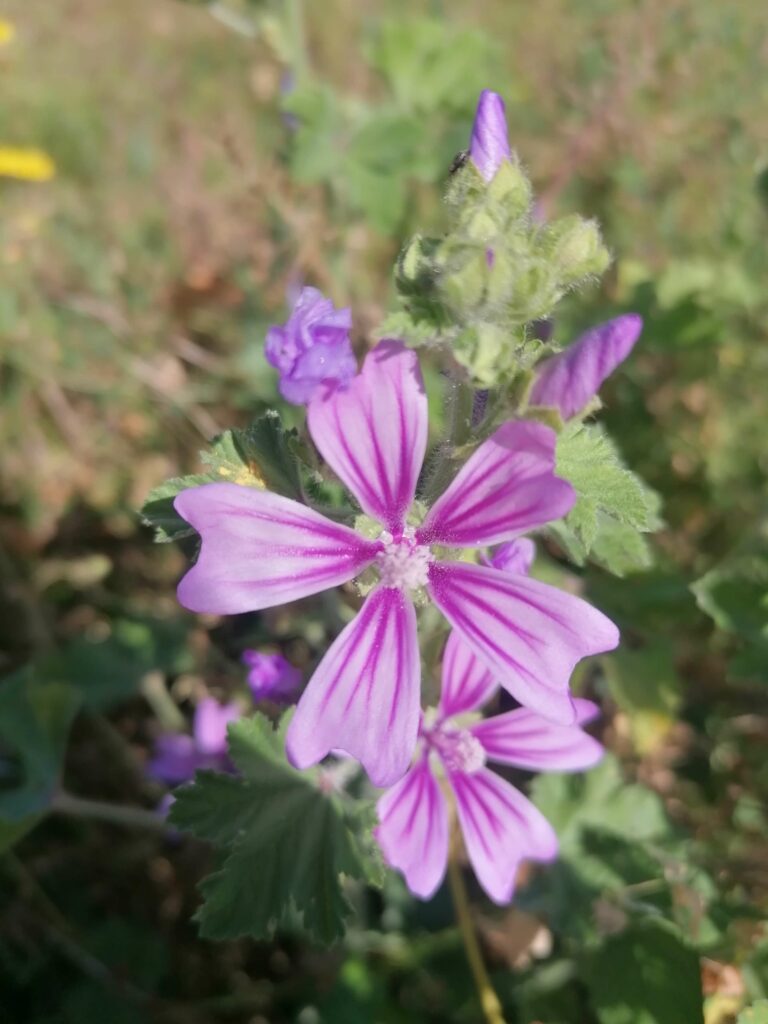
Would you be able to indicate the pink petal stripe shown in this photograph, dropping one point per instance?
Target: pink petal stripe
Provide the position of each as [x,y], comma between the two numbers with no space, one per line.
[466,682]
[568,380]
[413,834]
[373,434]
[260,549]
[507,487]
[526,740]
[529,635]
[500,828]
[364,696]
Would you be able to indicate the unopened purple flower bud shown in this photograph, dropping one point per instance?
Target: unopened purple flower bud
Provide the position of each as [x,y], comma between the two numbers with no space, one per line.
[271,677]
[312,347]
[489,145]
[515,556]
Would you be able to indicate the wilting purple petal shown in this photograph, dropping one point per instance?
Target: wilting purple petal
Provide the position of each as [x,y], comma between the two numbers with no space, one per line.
[271,676]
[374,434]
[210,726]
[489,144]
[526,740]
[364,695]
[413,833]
[466,682]
[501,828]
[260,549]
[530,635]
[516,556]
[506,487]
[175,760]
[312,348]
[568,380]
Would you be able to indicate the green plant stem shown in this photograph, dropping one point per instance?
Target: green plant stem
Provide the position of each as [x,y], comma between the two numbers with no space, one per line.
[459,401]
[100,810]
[297,39]
[489,1001]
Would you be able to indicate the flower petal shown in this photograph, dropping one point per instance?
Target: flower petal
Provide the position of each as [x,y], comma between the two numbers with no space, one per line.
[373,434]
[500,827]
[364,695]
[515,556]
[568,380]
[530,635]
[489,144]
[467,683]
[413,834]
[210,725]
[260,549]
[507,487]
[525,739]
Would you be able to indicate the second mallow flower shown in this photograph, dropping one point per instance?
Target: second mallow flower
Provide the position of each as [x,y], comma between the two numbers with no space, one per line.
[312,348]
[499,825]
[260,549]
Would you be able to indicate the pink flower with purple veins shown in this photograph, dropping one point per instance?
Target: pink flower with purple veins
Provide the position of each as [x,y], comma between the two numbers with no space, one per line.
[260,549]
[500,826]
[568,380]
[178,756]
[271,676]
[312,348]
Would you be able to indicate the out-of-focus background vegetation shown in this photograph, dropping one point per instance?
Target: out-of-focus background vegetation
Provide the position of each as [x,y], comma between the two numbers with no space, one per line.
[206,161]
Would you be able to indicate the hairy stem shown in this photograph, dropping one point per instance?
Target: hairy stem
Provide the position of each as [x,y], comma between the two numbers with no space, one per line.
[488,999]
[100,810]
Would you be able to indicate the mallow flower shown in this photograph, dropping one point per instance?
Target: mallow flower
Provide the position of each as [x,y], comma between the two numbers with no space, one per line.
[312,348]
[271,676]
[500,826]
[178,756]
[489,144]
[568,380]
[261,549]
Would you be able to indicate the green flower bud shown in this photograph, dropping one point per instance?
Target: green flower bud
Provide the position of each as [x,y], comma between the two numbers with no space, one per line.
[577,249]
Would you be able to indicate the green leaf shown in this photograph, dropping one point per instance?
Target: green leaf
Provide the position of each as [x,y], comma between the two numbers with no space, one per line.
[35,719]
[600,798]
[757,1013]
[284,844]
[264,454]
[613,506]
[646,975]
[644,683]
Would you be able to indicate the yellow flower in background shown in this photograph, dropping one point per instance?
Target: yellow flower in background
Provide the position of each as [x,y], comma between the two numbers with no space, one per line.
[7,31]
[26,164]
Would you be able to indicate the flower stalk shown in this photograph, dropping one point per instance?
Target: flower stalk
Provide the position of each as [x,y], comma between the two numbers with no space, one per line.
[489,1001]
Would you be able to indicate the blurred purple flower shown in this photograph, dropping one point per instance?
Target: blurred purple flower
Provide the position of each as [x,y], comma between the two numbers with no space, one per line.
[271,677]
[312,347]
[178,756]
[489,144]
[515,556]
[568,380]
[500,826]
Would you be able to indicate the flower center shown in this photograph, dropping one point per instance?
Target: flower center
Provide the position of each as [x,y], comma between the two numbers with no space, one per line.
[460,751]
[403,563]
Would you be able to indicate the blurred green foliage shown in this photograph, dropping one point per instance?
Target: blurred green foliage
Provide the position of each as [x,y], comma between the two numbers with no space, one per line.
[210,157]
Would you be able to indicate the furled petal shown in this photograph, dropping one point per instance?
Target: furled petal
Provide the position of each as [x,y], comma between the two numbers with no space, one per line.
[466,682]
[260,549]
[374,433]
[210,726]
[526,740]
[489,144]
[364,695]
[271,676]
[413,833]
[501,828]
[530,635]
[568,380]
[515,556]
[508,486]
